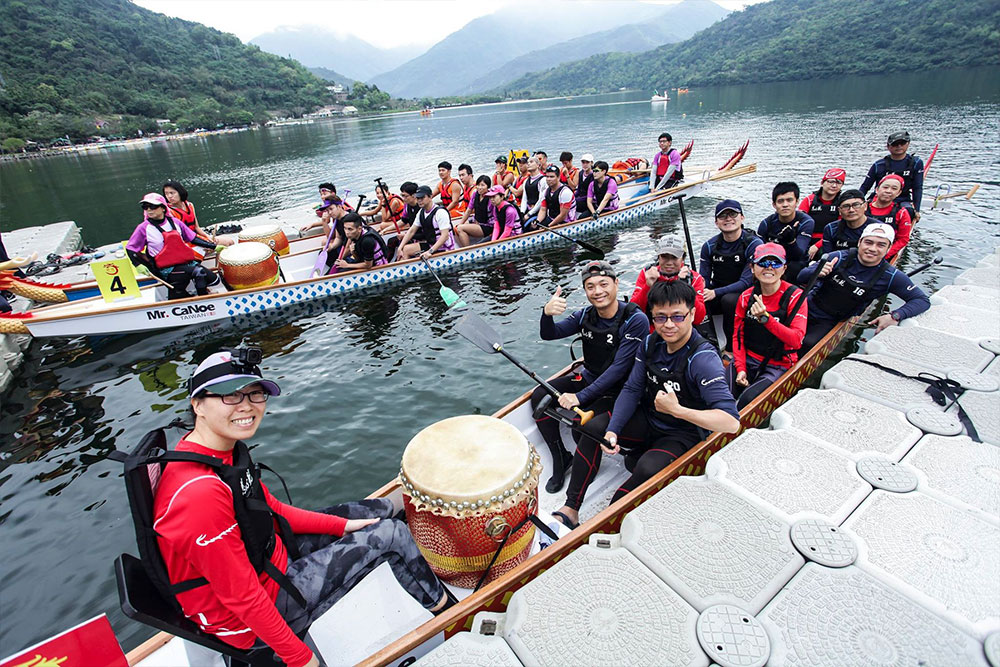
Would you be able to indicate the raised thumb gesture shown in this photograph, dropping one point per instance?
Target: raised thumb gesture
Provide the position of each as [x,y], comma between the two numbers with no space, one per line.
[556,305]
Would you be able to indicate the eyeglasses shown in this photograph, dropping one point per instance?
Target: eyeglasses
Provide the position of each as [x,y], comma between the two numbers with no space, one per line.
[901,142]
[848,207]
[727,215]
[770,263]
[235,398]
[831,181]
[676,319]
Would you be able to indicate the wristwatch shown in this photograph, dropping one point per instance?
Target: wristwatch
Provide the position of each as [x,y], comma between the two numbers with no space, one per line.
[764,318]
[895,315]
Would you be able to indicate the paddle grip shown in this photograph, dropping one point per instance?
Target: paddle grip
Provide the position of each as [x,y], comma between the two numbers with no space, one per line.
[585,416]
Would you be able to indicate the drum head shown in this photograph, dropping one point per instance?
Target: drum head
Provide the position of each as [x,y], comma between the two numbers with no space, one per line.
[247,252]
[467,458]
[259,232]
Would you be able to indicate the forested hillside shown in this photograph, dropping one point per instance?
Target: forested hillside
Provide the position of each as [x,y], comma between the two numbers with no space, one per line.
[85,67]
[788,40]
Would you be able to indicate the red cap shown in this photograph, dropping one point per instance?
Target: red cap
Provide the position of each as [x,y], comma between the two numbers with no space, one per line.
[836,174]
[893,176]
[769,250]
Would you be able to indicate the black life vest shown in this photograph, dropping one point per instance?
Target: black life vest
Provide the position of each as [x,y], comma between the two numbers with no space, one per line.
[427,227]
[906,172]
[480,209]
[143,470]
[822,213]
[659,378]
[599,192]
[756,337]
[381,251]
[531,190]
[840,239]
[501,214]
[552,202]
[581,191]
[839,296]
[601,340]
[727,267]
[890,218]
[409,213]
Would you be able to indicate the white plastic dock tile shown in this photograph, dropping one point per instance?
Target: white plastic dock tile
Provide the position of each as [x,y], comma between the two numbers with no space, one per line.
[847,617]
[886,474]
[878,385]
[986,276]
[934,552]
[471,649]
[984,411]
[959,320]
[959,468]
[790,472]
[823,542]
[938,351]
[712,546]
[600,607]
[992,648]
[732,637]
[991,344]
[847,421]
[973,296]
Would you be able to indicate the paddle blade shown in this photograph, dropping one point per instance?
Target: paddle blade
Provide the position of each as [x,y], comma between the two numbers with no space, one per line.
[475,330]
[451,298]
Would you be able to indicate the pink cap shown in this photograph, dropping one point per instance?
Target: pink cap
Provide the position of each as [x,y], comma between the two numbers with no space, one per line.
[836,174]
[154,198]
[496,190]
[769,250]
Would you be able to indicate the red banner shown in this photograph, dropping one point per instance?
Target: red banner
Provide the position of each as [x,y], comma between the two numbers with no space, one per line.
[90,644]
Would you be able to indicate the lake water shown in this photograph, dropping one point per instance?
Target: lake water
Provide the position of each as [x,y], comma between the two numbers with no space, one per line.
[361,377]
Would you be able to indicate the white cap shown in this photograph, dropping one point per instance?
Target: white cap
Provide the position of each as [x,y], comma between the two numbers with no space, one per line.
[587,157]
[879,229]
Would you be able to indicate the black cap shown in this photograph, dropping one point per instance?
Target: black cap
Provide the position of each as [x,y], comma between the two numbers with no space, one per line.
[598,267]
[422,191]
[501,158]
[898,136]
[552,169]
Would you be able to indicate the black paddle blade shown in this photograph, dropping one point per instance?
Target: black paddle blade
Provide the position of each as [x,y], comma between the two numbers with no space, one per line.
[591,248]
[475,330]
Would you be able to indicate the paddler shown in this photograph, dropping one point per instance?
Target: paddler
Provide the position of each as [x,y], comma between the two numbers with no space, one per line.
[389,215]
[534,188]
[674,397]
[725,263]
[765,338]
[568,174]
[602,193]
[788,227]
[543,160]
[468,180]
[669,267]
[333,224]
[160,243]
[477,208]
[822,206]
[557,205]
[517,187]
[366,247]
[667,169]
[183,210]
[884,208]
[502,176]
[449,189]
[584,178]
[410,209]
[434,225]
[852,279]
[611,331]
[211,529]
[907,166]
[505,218]
[844,233]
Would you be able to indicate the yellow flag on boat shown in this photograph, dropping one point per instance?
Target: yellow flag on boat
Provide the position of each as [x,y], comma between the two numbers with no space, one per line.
[512,160]
[116,279]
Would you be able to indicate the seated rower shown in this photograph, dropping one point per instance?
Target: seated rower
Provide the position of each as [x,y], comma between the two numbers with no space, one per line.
[884,208]
[434,225]
[669,267]
[822,207]
[602,194]
[534,188]
[183,210]
[543,160]
[852,279]
[557,204]
[905,165]
[517,187]
[766,338]
[365,247]
[725,263]
[327,192]
[502,176]
[788,227]
[334,213]
[505,218]
[388,216]
[675,395]
[477,208]
[468,180]
[450,190]
[568,174]
[844,233]
[410,209]
[611,331]
[667,168]
[584,178]
[160,243]
[254,570]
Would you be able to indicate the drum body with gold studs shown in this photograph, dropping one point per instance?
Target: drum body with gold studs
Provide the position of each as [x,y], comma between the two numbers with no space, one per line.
[468,482]
[270,235]
[249,264]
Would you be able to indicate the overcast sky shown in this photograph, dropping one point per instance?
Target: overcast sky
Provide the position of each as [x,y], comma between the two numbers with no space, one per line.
[384,23]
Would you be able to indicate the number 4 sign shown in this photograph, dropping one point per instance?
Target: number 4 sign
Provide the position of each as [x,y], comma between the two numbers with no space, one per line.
[116,279]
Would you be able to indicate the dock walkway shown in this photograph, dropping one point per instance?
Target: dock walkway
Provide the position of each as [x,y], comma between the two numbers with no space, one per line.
[862,528]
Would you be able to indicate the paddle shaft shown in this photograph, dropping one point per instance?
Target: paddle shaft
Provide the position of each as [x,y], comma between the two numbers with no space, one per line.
[923,267]
[433,272]
[583,244]
[584,415]
[687,239]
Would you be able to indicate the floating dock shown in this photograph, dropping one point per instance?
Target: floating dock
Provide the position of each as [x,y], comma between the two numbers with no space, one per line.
[862,528]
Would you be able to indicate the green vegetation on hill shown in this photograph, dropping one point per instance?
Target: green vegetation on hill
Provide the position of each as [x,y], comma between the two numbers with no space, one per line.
[108,67]
[789,40]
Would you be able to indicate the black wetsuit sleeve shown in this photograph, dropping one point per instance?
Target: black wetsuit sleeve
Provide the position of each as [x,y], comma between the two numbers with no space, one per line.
[197,240]
[142,259]
[870,178]
[634,332]
[549,329]
[917,192]
[631,394]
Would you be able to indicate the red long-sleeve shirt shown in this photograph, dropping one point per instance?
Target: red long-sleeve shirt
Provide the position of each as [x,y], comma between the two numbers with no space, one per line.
[903,226]
[641,293]
[198,537]
[789,334]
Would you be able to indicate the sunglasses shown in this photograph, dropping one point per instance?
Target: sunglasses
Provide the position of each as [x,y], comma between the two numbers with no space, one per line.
[901,142]
[235,398]
[770,263]
[146,206]
[676,319]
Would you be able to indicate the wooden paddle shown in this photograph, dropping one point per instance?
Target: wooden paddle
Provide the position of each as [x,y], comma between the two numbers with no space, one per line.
[475,330]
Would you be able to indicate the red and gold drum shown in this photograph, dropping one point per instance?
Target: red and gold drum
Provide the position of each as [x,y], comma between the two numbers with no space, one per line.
[268,234]
[249,264]
[467,482]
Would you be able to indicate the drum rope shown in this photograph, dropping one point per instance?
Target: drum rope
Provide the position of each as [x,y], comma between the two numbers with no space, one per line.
[533,518]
